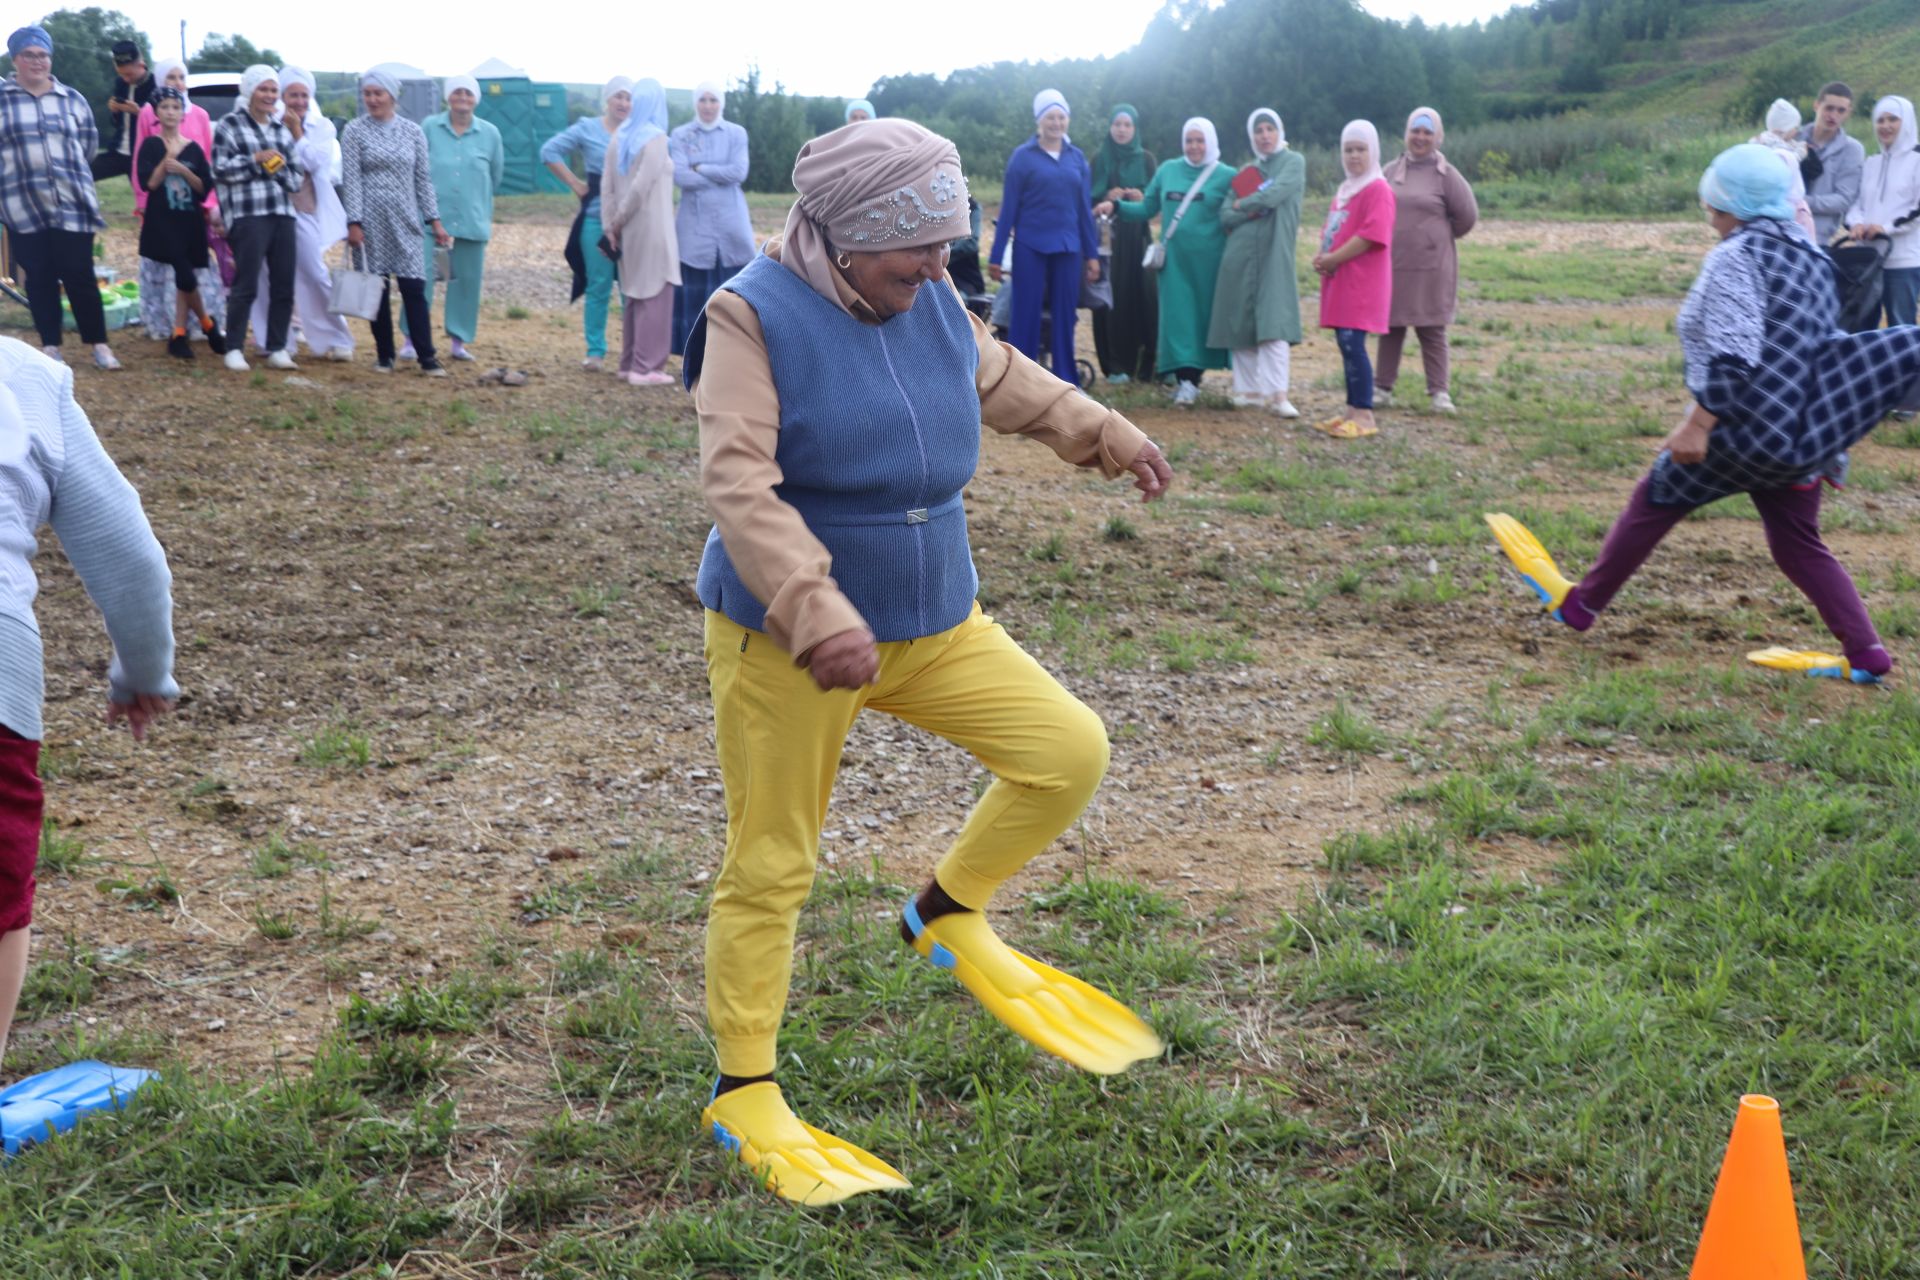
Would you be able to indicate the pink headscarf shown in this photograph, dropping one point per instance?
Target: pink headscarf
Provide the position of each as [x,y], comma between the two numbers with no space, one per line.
[869,187]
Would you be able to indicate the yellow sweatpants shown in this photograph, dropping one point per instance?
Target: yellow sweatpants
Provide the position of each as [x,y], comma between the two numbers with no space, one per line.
[780,740]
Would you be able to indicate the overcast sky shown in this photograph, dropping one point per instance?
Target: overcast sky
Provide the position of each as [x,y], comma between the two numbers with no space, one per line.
[826,53]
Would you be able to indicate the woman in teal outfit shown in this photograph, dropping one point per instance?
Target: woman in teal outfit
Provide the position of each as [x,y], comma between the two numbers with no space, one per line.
[593,271]
[469,160]
[1194,241]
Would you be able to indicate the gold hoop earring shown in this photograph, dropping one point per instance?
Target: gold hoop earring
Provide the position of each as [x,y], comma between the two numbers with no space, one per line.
[842,261]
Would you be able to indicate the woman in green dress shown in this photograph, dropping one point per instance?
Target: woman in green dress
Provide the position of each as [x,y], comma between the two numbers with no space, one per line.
[1256,305]
[1123,334]
[1188,194]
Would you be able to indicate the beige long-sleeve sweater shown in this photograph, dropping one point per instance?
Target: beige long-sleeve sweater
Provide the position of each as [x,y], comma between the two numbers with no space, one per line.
[636,208]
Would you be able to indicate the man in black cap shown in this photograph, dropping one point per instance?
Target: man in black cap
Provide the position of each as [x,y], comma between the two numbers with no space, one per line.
[132,91]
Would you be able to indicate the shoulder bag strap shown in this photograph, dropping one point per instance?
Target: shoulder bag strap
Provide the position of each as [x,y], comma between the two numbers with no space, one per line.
[1186,200]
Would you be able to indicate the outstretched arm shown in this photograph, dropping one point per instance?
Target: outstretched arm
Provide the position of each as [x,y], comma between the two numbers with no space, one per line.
[1019,397]
[97,517]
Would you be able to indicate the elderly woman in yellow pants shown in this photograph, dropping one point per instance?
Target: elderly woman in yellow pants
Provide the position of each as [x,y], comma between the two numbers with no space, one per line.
[841,386]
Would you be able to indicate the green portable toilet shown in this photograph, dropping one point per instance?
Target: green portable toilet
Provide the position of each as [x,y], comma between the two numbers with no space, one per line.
[549,114]
[526,114]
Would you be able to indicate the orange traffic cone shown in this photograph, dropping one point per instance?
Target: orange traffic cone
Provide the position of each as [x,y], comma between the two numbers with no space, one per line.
[1752,1232]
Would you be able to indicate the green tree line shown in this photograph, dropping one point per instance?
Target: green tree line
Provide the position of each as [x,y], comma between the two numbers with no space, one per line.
[1319,63]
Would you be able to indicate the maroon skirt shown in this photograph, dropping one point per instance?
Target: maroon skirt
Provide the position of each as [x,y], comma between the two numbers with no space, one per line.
[21,805]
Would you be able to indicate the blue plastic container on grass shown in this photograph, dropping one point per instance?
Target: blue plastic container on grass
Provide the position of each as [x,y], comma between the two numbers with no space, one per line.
[38,1107]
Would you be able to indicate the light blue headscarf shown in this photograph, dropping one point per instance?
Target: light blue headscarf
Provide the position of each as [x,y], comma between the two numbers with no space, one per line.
[1748,181]
[859,104]
[648,121]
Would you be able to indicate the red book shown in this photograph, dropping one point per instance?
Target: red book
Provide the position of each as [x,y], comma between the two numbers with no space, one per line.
[1248,181]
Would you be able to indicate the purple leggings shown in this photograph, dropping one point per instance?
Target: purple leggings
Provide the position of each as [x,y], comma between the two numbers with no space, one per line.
[1791,518]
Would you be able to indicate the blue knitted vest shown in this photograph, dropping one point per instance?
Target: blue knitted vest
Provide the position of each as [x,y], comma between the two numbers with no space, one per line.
[879,433]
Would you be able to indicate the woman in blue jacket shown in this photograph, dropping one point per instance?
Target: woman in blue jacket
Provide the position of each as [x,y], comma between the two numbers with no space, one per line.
[1044,208]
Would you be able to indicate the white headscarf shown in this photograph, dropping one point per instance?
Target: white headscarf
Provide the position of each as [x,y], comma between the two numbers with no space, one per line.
[700,91]
[619,84]
[451,83]
[1350,186]
[314,124]
[251,79]
[163,68]
[1047,99]
[380,79]
[1895,105]
[1205,126]
[1274,116]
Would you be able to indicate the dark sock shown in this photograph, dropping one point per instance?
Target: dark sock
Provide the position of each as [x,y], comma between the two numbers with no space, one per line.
[729,1083]
[932,903]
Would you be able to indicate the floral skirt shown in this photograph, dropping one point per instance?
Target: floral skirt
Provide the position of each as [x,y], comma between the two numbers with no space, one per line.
[157,297]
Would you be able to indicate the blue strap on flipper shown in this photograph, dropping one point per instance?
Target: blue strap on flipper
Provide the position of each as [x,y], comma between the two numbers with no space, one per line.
[1854,674]
[35,1109]
[939,955]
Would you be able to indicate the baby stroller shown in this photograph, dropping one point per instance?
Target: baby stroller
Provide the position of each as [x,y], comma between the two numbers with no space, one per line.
[13,281]
[963,264]
[1858,267]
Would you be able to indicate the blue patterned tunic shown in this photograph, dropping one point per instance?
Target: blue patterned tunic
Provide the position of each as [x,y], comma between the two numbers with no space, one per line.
[1792,392]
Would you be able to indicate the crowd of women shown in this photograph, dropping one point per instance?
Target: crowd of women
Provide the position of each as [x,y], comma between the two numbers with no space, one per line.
[237,216]
[1219,288]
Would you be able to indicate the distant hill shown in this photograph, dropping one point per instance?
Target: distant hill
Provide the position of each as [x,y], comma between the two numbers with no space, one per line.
[1704,59]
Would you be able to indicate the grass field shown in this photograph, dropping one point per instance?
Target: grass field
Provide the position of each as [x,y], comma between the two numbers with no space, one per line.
[1465,934]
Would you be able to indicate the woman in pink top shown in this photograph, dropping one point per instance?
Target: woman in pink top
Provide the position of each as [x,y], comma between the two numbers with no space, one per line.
[157,293]
[1356,272]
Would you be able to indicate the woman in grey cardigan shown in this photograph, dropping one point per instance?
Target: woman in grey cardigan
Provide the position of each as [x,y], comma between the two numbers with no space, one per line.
[387,187]
[53,471]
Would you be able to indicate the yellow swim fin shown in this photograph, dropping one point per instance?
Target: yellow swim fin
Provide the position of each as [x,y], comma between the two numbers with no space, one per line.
[1536,567]
[1813,663]
[795,1160]
[1053,1010]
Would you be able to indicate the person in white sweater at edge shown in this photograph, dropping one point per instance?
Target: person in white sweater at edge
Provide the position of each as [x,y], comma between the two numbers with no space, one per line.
[1889,193]
[54,471]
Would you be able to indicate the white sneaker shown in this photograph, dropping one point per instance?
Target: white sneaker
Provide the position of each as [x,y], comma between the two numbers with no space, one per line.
[341,354]
[53,353]
[1383,397]
[1248,402]
[1285,408]
[103,357]
[1184,394]
[236,361]
[280,360]
[1443,403]
[408,353]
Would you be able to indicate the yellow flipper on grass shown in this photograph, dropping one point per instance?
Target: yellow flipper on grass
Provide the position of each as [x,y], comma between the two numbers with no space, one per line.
[1812,662]
[1536,567]
[1050,1009]
[796,1161]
